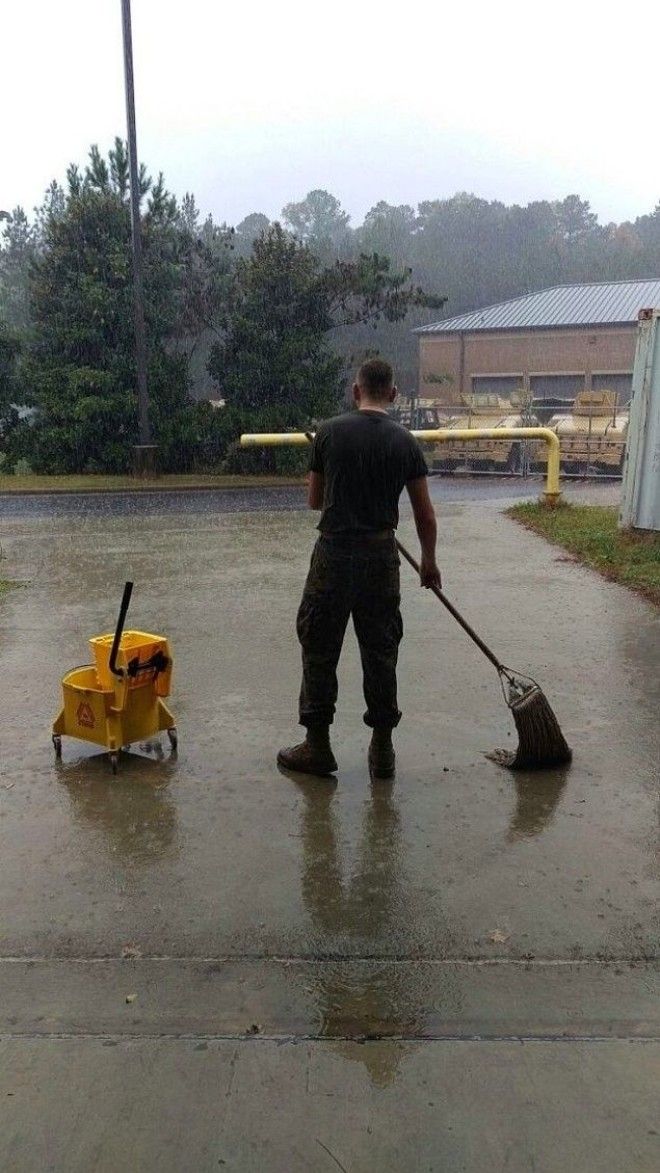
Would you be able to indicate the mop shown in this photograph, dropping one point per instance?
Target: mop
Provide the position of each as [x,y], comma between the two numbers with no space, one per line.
[542,745]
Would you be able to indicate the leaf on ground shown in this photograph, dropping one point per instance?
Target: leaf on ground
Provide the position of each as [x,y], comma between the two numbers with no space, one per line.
[498,936]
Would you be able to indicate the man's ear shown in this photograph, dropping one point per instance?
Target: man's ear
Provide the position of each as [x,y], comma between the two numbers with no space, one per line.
[357,394]
[393,393]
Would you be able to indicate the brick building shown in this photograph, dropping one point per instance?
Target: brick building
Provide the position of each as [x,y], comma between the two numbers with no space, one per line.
[549,344]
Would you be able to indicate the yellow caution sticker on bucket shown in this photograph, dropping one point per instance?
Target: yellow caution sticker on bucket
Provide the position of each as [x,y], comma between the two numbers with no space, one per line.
[85,715]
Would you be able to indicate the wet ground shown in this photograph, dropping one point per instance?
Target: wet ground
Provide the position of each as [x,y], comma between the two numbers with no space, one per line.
[219,966]
[274,500]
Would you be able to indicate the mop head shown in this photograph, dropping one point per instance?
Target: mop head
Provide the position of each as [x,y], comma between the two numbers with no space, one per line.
[542,745]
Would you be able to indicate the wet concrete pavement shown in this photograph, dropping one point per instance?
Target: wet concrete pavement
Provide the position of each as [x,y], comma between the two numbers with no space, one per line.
[490,940]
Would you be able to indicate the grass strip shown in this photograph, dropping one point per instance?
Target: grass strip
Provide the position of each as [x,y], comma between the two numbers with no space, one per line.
[109,484]
[591,534]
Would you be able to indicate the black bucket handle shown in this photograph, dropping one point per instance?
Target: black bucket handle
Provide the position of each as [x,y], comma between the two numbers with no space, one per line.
[119,630]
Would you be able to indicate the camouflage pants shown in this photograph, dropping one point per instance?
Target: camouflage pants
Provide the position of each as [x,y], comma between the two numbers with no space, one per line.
[358,576]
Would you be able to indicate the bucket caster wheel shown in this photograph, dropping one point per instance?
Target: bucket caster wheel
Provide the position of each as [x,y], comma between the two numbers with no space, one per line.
[57,744]
[114,762]
[174,738]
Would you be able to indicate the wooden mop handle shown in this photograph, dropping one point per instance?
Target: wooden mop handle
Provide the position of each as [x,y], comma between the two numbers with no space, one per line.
[452,611]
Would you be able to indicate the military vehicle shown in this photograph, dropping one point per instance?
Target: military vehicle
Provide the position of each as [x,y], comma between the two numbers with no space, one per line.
[417,413]
[591,435]
[484,411]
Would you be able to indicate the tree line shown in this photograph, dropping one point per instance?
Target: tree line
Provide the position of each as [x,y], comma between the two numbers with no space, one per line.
[258,304]
[268,317]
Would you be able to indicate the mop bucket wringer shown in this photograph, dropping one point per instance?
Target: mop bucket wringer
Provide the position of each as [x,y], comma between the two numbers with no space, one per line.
[118,699]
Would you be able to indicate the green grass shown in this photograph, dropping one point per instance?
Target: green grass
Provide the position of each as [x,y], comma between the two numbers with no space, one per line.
[105,484]
[5,584]
[591,534]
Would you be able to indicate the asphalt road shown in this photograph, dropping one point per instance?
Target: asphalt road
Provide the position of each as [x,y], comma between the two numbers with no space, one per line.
[89,506]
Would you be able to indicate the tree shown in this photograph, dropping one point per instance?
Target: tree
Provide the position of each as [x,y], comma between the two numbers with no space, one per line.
[81,366]
[53,206]
[275,357]
[575,219]
[388,230]
[18,250]
[204,276]
[9,352]
[188,215]
[639,244]
[319,222]
[249,229]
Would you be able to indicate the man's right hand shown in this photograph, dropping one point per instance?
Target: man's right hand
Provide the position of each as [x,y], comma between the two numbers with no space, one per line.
[429,573]
[427,530]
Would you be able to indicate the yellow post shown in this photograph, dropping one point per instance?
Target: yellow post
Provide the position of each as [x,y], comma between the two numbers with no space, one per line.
[550,496]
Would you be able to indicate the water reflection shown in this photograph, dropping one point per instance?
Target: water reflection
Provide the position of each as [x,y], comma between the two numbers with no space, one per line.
[365,999]
[537,799]
[133,812]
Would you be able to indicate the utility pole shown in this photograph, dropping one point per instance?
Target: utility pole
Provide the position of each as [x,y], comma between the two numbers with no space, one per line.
[145,450]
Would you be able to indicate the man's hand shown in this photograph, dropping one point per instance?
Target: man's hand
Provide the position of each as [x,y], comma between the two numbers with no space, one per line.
[429,573]
[425,523]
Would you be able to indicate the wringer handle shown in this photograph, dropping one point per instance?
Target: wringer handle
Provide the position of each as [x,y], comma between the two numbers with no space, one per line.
[452,611]
[119,630]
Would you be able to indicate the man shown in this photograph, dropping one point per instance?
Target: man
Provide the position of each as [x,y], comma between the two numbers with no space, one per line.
[360,464]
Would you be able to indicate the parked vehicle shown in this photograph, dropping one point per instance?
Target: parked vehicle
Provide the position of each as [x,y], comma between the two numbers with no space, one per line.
[543,409]
[592,435]
[417,413]
[485,411]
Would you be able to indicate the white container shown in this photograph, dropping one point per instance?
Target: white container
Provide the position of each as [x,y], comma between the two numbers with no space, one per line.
[640,501]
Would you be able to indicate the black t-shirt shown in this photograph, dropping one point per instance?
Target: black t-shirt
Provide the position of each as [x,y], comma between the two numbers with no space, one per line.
[365,459]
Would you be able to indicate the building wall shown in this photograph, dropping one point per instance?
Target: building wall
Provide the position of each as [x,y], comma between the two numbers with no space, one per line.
[449,362]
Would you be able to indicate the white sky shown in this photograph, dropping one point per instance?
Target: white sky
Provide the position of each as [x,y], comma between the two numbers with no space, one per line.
[250,106]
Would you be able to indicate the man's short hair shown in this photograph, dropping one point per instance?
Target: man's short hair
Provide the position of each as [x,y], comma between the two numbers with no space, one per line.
[376,377]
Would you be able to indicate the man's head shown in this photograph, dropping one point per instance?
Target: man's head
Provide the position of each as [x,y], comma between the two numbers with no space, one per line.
[374,385]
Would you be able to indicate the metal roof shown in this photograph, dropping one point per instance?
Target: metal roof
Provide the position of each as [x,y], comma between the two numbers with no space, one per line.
[596,304]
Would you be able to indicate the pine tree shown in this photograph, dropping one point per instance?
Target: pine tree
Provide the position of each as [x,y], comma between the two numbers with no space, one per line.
[82,366]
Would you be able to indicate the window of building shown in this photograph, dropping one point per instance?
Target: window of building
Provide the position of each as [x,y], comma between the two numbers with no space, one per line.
[502,385]
[620,382]
[556,386]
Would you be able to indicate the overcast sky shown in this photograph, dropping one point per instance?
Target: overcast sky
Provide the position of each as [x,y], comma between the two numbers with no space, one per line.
[252,105]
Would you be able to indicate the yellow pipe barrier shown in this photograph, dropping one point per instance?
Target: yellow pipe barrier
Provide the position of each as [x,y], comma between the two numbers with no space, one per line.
[552,492]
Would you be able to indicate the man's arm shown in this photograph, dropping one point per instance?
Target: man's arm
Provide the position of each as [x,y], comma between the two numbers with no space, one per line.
[315,489]
[427,530]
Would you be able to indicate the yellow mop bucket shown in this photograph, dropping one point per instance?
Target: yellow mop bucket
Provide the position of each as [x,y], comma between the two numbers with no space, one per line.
[118,699]
[140,646]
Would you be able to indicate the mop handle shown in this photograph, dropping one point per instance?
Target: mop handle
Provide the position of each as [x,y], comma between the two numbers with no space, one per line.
[119,630]
[452,611]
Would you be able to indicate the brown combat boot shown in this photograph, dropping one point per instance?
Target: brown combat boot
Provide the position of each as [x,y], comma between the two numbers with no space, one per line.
[382,759]
[313,756]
